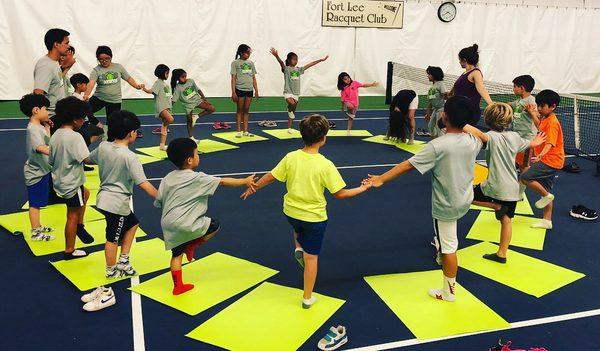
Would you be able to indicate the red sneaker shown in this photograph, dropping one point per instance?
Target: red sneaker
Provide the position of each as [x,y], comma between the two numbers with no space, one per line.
[217,125]
[224,125]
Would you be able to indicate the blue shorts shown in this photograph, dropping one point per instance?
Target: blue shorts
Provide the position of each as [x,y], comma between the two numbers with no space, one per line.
[542,173]
[310,234]
[38,192]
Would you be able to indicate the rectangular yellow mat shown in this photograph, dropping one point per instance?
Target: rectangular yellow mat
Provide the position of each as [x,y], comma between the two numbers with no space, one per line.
[216,278]
[145,159]
[230,136]
[378,139]
[523,207]
[270,317]
[427,318]
[487,228]
[54,216]
[413,149]
[521,272]
[344,133]
[283,133]
[480,174]
[89,272]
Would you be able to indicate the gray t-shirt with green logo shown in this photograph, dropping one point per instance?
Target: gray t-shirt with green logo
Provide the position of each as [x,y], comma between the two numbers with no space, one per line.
[187,94]
[162,96]
[37,164]
[67,152]
[435,96]
[501,149]
[120,170]
[244,72]
[47,76]
[108,82]
[451,158]
[292,80]
[183,197]
[522,122]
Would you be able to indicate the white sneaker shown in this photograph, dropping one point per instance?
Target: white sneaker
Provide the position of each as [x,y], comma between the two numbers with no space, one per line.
[101,302]
[290,131]
[386,138]
[544,201]
[349,133]
[543,224]
[238,134]
[163,147]
[307,303]
[410,142]
[334,339]
[248,134]
[439,295]
[38,234]
[194,139]
[194,119]
[95,293]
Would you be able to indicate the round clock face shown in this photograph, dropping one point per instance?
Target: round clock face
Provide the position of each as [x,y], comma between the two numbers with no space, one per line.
[447,12]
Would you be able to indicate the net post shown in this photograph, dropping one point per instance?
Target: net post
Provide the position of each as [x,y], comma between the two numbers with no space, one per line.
[576,124]
[388,83]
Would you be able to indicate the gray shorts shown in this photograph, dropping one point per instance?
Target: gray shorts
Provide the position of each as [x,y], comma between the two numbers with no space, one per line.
[542,174]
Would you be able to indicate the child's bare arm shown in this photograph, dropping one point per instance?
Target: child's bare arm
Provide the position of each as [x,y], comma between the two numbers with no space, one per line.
[347,193]
[276,54]
[310,64]
[43,149]
[262,182]
[538,140]
[255,85]
[398,170]
[476,133]
[368,85]
[249,181]
[533,112]
[149,189]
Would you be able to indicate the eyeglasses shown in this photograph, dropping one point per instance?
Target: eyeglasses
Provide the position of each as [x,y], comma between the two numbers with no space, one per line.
[104,59]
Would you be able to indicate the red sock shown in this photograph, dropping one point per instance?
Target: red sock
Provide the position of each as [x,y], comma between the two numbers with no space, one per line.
[191,247]
[178,286]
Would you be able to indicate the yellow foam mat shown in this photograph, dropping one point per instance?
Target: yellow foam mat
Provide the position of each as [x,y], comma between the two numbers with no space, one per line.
[487,228]
[480,174]
[283,133]
[230,136]
[270,317]
[523,207]
[153,151]
[353,133]
[521,272]
[145,159]
[427,318]
[216,278]
[89,272]
[413,149]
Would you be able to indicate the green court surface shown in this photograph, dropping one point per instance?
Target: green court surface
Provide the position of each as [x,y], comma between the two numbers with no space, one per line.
[216,278]
[269,317]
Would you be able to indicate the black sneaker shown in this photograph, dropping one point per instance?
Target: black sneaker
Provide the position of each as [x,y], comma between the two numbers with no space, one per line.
[494,257]
[83,235]
[584,213]
[332,125]
[572,168]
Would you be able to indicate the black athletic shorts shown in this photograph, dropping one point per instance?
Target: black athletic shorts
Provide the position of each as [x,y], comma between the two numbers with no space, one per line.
[244,93]
[76,200]
[118,225]
[480,196]
[213,227]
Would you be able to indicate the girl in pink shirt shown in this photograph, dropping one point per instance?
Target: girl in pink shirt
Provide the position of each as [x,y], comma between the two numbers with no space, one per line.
[349,92]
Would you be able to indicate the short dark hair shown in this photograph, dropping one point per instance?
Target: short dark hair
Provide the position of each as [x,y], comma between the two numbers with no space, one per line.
[180,149]
[470,54]
[313,128]
[459,110]
[70,109]
[71,49]
[161,70]
[340,82]
[79,78]
[526,81]
[103,49]
[547,97]
[29,101]
[436,73]
[122,123]
[54,35]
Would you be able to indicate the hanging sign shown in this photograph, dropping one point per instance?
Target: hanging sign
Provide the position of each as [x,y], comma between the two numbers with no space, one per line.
[363,13]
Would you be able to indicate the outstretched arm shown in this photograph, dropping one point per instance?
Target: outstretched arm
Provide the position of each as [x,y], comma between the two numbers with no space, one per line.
[534,113]
[134,84]
[249,181]
[347,193]
[368,85]
[149,189]
[398,170]
[310,64]
[262,182]
[276,54]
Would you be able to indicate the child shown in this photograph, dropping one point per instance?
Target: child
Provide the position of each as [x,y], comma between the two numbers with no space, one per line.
[92,128]
[349,92]
[162,102]
[243,87]
[550,156]
[500,191]
[67,152]
[120,171]
[307,174]
[183,196]
[291,87]
[450,158]
[435,98]
[37,169]
[402,116]
[187,92]
[524,123]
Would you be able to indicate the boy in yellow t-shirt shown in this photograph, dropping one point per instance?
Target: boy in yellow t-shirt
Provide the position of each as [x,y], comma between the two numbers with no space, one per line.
[307,174]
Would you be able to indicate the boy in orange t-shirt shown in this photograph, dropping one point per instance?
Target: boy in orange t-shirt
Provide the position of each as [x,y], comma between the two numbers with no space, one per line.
[550,156]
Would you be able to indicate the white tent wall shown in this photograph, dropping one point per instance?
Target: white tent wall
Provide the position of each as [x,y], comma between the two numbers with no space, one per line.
[557,45]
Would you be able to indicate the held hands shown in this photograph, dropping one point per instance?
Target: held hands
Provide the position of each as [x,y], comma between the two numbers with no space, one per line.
[366,184]
[538,140]
[375,180]
[140,86]
[250,182]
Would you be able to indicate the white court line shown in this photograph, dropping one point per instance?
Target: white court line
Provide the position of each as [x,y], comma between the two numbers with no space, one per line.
[137,318]
[522,324]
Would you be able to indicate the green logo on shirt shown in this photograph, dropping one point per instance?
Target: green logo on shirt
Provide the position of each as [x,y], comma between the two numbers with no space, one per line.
[109,78]
[295,75]
[246,68]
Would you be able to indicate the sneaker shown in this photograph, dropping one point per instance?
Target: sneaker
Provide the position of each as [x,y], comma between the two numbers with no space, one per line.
[217,125]
[271,124]
[194,119]
[332,125]
[583,212]
[386,138]
[290,131]
[410,141]
[83,234]
[101,290]
[73,255]
[194,139]
[104,300]
[156,131]
[291,115]
[246,134]
[439,294]
[543,224]
[46,229]
[307,303]
[114,273]
[163,147]
[334,339]
[494,257]
[140,134]
[544,201]
[299,256]
[262,123]
[224,125]
[238,134]
[39,235]
[126,268]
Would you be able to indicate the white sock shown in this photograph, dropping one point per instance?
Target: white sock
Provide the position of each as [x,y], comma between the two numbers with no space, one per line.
[449,286]
[291,115]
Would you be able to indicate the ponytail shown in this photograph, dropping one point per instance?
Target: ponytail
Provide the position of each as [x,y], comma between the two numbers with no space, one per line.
[177,73]
[240,50]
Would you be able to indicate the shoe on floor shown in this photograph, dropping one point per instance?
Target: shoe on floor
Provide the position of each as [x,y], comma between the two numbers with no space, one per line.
[74,255]
[334,339]
[299,256]
[439,295]
[494,257]
[95,293]
[217,126]
[307,303]
[270,124]
[332,125]
[246,134]
[105,299]
[126,268]
[262,123]
[224,125]
[162,147]
[38,234]
[194,139]
[238,134]
[543,224]
[114,273]
[194,119]
[544,201]
[584,213]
